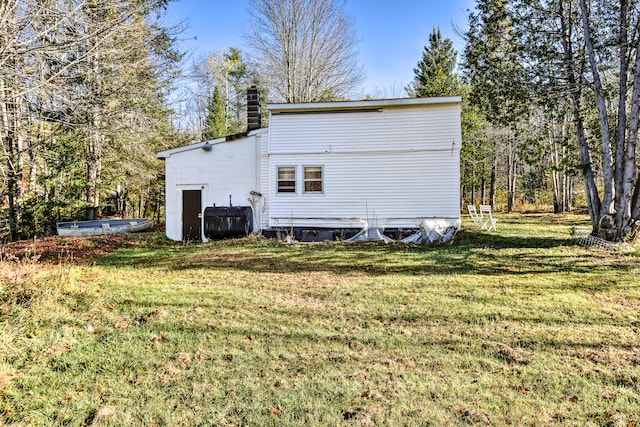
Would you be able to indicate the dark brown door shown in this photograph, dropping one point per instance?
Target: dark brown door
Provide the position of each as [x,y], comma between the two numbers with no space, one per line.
[191,206]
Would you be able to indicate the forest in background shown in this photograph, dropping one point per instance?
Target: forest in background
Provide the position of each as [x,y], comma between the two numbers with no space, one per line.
[88,93]
[83,110]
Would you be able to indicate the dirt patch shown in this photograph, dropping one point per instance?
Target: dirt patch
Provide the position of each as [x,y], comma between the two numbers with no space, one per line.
[7,376]
[57,350]
[77,250]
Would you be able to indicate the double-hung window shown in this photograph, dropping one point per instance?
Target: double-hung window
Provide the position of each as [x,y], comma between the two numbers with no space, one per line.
[313,179]
[286,179]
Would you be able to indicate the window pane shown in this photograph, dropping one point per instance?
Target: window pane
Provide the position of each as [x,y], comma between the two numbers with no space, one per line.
[286,173]
[313,186]
[286,179]
[312,172]
[313,179]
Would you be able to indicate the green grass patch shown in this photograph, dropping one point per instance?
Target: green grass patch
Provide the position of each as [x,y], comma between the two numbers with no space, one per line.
[520,327]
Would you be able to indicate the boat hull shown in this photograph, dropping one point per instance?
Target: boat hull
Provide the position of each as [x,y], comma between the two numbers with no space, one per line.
[102,227]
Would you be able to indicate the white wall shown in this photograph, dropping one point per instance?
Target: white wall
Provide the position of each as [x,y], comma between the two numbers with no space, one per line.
[262,210]
[230,168]
[392,167]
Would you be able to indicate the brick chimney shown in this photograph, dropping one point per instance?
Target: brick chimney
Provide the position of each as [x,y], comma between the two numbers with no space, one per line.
[254,118]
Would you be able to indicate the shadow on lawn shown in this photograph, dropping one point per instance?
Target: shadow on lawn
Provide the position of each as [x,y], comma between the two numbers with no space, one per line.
[471,252]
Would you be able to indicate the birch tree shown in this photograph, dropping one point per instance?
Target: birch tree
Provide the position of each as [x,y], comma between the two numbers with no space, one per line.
[588,51]
[306,49]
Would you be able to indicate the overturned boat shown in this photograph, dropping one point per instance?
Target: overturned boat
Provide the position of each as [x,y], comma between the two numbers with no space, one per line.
[103,226]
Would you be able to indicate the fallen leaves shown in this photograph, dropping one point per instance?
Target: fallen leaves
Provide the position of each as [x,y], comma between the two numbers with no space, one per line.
[276,411]
[159,313]
[57,350]
[162,336]
[350,414]
[67,249]
[474,416]
[572,399]
[522,389]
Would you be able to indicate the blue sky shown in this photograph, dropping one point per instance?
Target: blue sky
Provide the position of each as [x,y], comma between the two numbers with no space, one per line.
[392,33]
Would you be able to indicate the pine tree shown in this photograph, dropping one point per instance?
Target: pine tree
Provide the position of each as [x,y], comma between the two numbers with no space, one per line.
[499,84]
[216,121]
[435,73]
[231,73]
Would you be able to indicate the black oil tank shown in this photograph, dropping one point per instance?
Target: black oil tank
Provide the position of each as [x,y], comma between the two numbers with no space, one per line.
[221,222]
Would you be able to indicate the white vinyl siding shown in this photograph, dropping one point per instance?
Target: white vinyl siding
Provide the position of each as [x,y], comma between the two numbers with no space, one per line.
[411,128]
[264,184]
[393,167]
[397,190]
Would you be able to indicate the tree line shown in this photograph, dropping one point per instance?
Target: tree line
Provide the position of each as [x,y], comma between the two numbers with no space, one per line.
[554,99]
[82,109]
[300,51]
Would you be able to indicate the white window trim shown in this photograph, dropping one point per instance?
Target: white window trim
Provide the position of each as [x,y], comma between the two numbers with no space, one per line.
[304,180]
[295,180]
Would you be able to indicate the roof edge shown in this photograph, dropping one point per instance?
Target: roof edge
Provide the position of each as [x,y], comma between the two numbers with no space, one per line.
[363,104]
[198,145]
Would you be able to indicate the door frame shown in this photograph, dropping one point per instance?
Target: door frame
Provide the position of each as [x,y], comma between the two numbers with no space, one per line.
[203,191]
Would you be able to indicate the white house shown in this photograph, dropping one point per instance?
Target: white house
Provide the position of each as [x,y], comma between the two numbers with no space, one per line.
[321,169]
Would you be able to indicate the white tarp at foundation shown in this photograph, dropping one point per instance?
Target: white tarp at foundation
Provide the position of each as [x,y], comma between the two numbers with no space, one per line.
[370,234]
[434,230]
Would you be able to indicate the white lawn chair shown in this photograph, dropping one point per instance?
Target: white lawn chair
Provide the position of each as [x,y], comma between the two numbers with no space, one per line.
[488,221]
[473,213]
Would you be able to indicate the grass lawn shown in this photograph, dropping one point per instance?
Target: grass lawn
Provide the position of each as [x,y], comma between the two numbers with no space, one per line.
[518,327]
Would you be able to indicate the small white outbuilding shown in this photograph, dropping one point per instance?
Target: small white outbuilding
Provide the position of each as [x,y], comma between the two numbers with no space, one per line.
[322,170]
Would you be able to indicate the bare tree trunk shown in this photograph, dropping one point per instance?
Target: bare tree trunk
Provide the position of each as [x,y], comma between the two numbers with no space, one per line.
[559,179]
[568,193]
[622,106]
[13,146]
[624,216]
[609,179]
[512,168]
[33,157]
[556,183]
[94,163]
[635,201]
[591,190]
[492,183]
[575,89]
[556,179]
